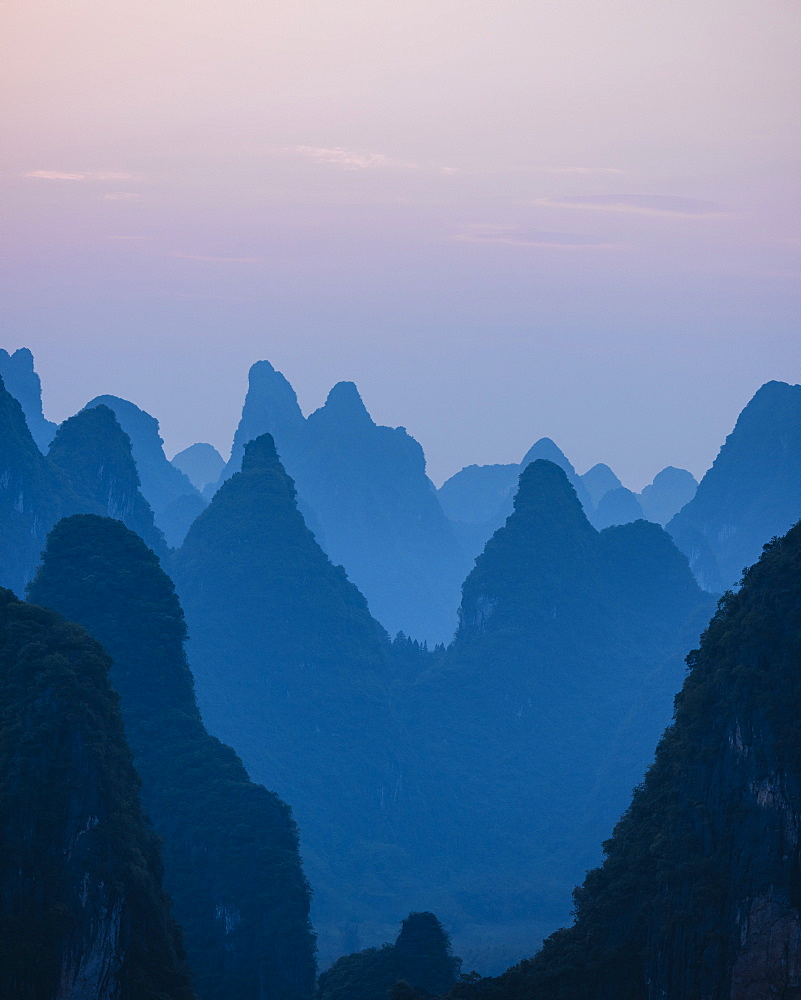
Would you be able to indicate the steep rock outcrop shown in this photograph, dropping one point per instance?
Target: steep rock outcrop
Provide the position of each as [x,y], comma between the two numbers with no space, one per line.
[230,846]
[32,496]
[161,481]
[94,454]
[82,910]
[23,383]
[751,493]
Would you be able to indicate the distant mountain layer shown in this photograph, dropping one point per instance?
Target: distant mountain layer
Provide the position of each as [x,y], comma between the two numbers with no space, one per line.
[200,463]
[230,847]
[698,893]
[82,909]
[752,492]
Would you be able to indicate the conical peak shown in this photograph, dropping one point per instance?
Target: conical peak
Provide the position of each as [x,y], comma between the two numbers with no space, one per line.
[546,449]
[544,491]
[344,400]
[260,455]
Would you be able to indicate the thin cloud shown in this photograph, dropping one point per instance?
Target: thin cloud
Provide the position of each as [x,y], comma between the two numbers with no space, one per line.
[349,159]
[530,238]
[210,258]
[92,175]
[643,204]
[581,170]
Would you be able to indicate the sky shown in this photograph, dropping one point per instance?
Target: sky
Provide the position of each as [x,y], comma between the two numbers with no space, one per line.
[503,219]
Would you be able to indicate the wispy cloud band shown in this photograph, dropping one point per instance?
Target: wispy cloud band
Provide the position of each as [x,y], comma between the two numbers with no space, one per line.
[640,204]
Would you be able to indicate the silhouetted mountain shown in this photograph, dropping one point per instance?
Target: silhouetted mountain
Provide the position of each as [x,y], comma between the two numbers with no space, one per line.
[380,516]
[421,957]
[618,506]
[82,908]
[600,480]
[671,489]
[94,454]
[200,463]
[271,406]
[161,481]
[751,493]
[230,847]
[698,896]
[23,383]
[476,493]
[479,498]
[363,490]
[303,692]
[547,706]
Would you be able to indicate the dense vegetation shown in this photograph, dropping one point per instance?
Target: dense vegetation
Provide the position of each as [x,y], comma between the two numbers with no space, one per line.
[82,908]
[230,846]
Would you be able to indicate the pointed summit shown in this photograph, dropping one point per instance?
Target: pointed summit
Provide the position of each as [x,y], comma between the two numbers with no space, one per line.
[25,386]
[271,406]
[546,449]
[260,455]
[94,453]
[345,403]
[599,480]
[752,492]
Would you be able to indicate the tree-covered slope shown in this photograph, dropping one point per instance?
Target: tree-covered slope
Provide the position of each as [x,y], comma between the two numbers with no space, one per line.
[292,671]
[230,846]
[83,913]
[751,493]
[698,896]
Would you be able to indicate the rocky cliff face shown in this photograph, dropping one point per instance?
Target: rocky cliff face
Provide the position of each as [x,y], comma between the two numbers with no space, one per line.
[230,846]
[82,910]
[162,483]
[23,383]
[699,897]
[94,454]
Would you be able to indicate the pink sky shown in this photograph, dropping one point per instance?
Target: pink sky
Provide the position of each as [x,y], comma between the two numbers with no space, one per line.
[501,219]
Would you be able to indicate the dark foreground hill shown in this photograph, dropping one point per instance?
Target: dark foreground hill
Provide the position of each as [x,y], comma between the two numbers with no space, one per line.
[83,913]
[698,896]
[230,846]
